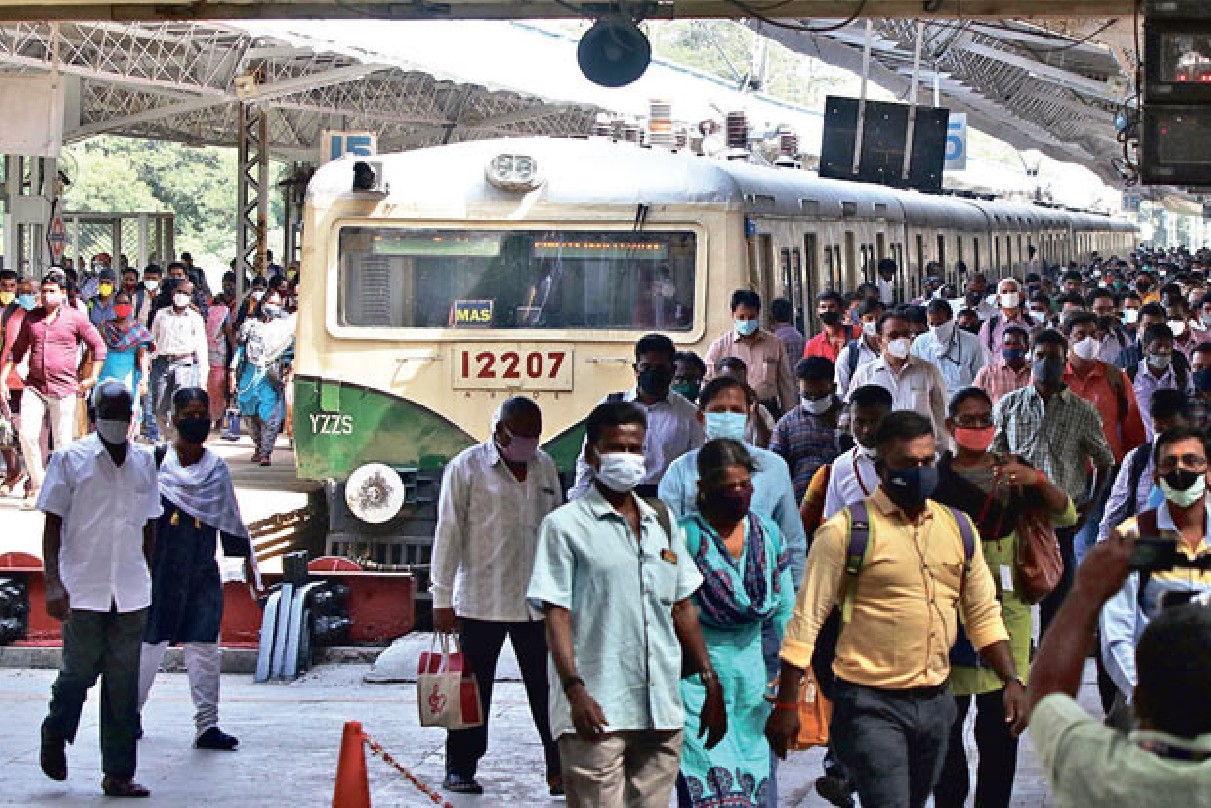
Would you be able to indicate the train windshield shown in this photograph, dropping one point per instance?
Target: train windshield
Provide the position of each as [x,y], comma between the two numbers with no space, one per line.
[559,279]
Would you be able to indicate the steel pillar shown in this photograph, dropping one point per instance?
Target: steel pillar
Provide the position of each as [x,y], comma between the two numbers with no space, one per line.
[294,192]
[252,192]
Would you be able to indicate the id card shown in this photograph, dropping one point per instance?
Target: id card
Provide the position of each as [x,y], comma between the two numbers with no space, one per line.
[1006,578]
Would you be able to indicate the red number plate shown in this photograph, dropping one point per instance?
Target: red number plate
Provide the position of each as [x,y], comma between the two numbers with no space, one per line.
[539,368]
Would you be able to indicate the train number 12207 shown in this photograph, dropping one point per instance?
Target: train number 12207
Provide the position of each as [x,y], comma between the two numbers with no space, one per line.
[490,369]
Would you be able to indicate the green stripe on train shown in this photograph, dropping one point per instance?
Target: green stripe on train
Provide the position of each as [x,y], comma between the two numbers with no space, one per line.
[338,427]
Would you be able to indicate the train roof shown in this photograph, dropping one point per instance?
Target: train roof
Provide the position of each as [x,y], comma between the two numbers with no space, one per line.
[599,171]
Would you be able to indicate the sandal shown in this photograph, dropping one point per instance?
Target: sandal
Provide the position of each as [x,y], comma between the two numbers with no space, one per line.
[117,787]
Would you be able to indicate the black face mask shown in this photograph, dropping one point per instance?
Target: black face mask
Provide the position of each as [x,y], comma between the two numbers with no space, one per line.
[655,381]
[732,505]
[910,487]
[194,430]
[830,318]
[1181,479]
[973,298]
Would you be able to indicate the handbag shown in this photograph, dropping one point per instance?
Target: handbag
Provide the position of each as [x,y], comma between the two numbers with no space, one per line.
[447,695]
[815,713]
[8,433]
[1038,565]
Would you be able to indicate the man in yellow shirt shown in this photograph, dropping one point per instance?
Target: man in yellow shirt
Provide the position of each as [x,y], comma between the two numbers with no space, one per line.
[893,710]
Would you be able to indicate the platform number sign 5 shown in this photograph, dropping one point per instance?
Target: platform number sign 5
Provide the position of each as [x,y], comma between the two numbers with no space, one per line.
[956,142]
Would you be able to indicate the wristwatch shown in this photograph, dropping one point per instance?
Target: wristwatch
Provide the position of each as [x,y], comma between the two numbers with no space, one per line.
[571,682]
[707,676]
[1017,678]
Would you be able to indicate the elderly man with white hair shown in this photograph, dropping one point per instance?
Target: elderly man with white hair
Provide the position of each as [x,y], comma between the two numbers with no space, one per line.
[1012,312]
[101,500]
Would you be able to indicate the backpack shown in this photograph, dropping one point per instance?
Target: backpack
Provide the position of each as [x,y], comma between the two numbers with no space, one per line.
[852,357]
[1135,472]
[859,545]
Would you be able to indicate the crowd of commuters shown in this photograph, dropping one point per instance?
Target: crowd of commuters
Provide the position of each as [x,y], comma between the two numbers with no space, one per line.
[847,510]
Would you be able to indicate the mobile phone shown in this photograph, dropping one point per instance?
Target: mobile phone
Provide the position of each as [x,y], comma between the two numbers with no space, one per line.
[1153,554]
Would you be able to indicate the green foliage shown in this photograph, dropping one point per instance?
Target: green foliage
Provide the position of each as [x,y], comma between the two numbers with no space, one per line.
[196,184]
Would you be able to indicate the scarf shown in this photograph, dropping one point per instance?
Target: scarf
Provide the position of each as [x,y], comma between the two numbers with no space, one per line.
[122,341]
[731,594]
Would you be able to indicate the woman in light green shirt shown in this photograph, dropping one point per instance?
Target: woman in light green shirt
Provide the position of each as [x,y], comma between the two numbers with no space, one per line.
[994,491]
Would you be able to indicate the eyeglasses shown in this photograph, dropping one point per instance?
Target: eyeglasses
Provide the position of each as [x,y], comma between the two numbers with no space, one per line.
[974,423]
[1190,461]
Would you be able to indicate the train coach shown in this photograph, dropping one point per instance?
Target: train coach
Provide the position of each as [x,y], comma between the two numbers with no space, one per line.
[438,282]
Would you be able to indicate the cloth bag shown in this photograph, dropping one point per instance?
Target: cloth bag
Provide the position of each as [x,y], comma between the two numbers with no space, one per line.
[447,695]
[1039,565]
[815,713]
[8,431]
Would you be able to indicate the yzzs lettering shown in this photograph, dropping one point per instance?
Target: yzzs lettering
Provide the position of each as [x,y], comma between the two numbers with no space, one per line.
[325,424]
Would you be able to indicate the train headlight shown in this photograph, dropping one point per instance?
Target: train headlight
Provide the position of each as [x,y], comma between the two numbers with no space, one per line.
[375,493]
[513,172]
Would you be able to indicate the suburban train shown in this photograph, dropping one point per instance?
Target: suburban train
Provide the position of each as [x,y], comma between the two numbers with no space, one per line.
[435,283]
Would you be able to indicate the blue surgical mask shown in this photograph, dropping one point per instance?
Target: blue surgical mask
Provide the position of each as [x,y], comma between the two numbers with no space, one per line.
[746,327]
[27,302]
[726,425]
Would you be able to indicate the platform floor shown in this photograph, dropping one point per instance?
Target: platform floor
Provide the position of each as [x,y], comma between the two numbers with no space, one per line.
[290,736]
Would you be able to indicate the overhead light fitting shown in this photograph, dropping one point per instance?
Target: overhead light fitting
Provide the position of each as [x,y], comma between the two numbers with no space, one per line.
[614,52]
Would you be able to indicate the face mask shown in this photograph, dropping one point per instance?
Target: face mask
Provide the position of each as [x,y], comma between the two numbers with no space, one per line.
[1178,327]
[52,300]
[1183,487]
[194,430]
[1160,361]
[830,318]
[899,348]
[655,381]
[151,285]
[726,425]
[123,310]
[688,390]
[27,302]
[1202,380]
[519,450]
[1039,317]
[112,431]
[1049,371]
[1130,316]
[944,332]
[180,300]
[7,297]
[1105,324]
[271,310]
[975,439]
[870,328]
[973,299]
[1086,349]
[257,294]
[909,488]
[105,289]
[817,406]
[1010,300]
[732,505]
[621,471]
[1013,354]
[746,327]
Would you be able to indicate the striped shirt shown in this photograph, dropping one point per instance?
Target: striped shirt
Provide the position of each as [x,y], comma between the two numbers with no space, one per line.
[998,379]
[806,442]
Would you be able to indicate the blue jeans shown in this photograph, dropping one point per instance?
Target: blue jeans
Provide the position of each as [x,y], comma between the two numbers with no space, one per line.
[1086,537]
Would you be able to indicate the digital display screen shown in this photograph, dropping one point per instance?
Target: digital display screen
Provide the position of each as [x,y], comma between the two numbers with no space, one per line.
[477,245]
[612,250]
[1185,58]
[1182,136]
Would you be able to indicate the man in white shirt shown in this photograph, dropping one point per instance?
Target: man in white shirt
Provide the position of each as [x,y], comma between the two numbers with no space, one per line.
[673,427]
[1013,312]
[914,383]
[182,352]
[868,346]
[101,500]
[853,477]
[493,497]
[955,352]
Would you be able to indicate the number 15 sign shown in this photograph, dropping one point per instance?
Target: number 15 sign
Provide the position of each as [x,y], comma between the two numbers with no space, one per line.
[335,145]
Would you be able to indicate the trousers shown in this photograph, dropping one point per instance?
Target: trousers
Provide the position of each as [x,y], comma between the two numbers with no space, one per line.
[1051,604]
[202,667]
[105,645]
[34,408]
[264,431]
[892,743]
[998,756]
[632,768]
[481,642]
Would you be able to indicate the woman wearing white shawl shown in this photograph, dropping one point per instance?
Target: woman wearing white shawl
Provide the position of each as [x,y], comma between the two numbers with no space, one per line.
[200,509]
[261,370]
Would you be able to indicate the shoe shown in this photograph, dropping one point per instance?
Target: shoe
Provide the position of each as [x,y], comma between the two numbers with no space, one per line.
[555,785]
[461,785]
[123,787]
[215,738]
[256,458]
[52,756]
[836,790]
[265,461]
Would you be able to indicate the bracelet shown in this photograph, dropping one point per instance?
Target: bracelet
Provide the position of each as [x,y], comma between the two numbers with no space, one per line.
[571,682]
[784,706]
[708,676]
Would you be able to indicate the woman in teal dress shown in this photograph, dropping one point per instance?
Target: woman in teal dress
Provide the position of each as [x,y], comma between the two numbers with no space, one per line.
[127,344]
[261,365]
[747,584]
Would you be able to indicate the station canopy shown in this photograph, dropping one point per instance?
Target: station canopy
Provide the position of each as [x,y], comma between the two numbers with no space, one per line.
[178,81]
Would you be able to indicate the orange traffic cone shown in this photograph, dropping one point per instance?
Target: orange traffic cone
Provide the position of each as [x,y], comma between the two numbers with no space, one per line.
[352,787]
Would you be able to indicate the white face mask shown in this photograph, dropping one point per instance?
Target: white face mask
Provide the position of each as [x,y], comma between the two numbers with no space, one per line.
[870,328]
[621,471]
[1086,349]
[52,300]
[180,300]
[1010,300]
[257,294]
[112,431]
[151,286]
[1130,316]
[817,406]
[899,348]
[1039,317]
[1178,327]
[944,332]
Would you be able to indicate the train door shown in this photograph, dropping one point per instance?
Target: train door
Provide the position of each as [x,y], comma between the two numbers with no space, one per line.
[761,261]
[897,255]
[798,301]
[811,285]
[920,268]
[975,254]
[942,254]
[851,260]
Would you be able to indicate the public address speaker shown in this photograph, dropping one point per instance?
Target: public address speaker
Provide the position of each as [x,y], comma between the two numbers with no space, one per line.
[613,53]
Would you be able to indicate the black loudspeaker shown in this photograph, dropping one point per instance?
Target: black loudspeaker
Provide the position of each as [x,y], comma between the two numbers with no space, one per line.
[613,53]
[883,138]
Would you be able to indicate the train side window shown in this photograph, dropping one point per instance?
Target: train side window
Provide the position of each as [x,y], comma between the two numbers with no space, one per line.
[920,255]
[784,264]
[941,256]
[796,289]
[811,280]
[851,259]
[975,253]
[880,245]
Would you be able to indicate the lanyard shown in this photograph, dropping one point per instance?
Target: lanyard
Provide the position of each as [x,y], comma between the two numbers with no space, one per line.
[858,474]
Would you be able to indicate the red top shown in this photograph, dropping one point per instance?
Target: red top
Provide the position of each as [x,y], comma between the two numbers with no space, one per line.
[821,345]
[1124,430]
[53,346]
[15,316]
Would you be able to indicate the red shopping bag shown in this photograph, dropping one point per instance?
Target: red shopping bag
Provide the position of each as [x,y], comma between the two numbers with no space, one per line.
[447,695]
